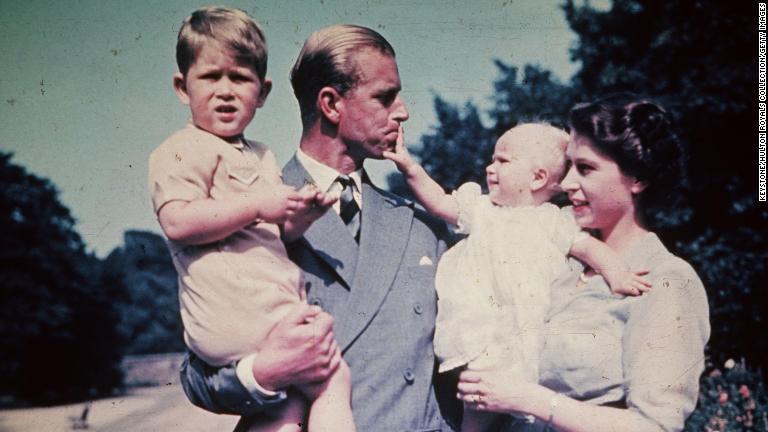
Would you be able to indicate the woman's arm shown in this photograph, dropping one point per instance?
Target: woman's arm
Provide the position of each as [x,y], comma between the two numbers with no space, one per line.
[498,391]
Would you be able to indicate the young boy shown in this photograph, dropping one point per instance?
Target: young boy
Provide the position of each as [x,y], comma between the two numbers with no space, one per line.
[219,199]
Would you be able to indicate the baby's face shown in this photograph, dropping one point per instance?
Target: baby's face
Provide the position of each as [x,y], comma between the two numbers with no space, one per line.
[511,170]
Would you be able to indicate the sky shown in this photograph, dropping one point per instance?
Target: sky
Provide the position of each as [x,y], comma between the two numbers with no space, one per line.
[86,95]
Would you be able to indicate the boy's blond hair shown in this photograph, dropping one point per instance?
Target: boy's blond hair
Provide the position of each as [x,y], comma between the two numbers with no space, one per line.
[232,28]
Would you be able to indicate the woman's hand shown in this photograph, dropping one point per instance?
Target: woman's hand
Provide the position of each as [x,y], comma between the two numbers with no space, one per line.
[498,391]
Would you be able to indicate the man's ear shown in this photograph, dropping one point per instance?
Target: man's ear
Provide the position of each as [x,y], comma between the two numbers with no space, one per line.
[181,88]
[329,103]
[540,179]
[637,186]
[266,87]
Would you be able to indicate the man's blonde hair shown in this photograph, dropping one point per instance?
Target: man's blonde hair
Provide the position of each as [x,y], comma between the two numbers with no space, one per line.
[327,59]
[232,28]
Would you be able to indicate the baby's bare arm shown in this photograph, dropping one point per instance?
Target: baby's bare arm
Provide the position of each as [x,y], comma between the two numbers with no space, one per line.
[208,220]
[430,194]
[608,263]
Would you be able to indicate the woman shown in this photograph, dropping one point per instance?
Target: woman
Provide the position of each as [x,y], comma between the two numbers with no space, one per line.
[612,362]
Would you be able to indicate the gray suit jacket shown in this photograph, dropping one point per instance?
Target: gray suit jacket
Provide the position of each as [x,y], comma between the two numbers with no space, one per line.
[381,294]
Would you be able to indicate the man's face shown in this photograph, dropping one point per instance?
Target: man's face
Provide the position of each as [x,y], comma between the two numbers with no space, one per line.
[371,112]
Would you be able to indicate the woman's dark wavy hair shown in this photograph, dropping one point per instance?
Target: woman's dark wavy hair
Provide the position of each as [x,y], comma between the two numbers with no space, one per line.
[636,133]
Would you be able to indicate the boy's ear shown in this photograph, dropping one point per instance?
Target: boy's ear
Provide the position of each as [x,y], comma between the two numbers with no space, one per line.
[266,87]
[181,88]
[540,179]
[329,102]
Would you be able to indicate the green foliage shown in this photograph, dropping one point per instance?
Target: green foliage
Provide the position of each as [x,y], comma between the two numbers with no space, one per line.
[58,340]
[148,305]
[732,400]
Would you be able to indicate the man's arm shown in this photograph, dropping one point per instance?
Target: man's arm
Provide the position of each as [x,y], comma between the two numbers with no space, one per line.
[299,350]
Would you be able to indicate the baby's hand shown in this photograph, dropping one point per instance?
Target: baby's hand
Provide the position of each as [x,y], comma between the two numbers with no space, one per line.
[400,156]
[279,202]
[627,282]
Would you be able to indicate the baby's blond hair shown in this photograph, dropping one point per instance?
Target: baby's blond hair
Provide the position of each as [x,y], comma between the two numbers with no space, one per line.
[546,144]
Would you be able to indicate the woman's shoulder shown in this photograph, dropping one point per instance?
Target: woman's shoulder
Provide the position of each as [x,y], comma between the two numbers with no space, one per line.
[674,279]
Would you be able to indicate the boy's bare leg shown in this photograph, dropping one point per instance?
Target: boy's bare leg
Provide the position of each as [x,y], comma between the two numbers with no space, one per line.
[291,418]
[477,421]
[331,410]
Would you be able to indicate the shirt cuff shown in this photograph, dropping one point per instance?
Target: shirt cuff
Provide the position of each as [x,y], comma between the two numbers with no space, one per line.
[244,372]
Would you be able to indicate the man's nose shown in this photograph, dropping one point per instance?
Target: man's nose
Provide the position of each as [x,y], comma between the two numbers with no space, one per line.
[400,112]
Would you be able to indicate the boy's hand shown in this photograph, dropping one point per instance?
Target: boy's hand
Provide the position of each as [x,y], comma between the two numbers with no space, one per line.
[314,203]
[627,282]
[400,156]
[279,202]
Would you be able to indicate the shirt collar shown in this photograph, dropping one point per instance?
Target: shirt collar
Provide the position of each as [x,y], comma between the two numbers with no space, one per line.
[323,175]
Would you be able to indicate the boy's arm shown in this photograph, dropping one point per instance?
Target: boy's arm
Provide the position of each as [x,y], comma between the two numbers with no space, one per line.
[608,263]
[318,201]
[430,194]
[208,220]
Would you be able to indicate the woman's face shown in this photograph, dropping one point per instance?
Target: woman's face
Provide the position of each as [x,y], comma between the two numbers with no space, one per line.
[600,193]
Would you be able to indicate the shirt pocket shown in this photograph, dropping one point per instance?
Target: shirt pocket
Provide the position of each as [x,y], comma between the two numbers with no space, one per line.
[242,174]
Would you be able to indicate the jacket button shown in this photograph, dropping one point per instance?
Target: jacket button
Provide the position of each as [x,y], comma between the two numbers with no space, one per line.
[409,376]
[418,308]
[316,302]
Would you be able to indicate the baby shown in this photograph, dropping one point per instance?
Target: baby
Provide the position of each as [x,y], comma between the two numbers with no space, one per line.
[219,199]
[493,286]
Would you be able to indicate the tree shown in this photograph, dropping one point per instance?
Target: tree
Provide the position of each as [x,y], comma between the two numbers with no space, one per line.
[148,305]
[58,338]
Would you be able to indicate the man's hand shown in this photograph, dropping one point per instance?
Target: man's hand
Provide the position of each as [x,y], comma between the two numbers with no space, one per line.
[314,204]
[400,156]
[299,350]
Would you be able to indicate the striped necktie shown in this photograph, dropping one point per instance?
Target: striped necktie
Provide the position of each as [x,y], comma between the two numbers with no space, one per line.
[348,209]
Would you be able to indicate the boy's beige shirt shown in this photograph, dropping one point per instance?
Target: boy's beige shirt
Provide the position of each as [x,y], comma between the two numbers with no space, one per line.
[233,291]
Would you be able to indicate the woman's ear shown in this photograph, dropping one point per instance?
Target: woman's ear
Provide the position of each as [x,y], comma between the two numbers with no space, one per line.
[330,102]
[266,87]
[540,179]
[637,186]
[181,88]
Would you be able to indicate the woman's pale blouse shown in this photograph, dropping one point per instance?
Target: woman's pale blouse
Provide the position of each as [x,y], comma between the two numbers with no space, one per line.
[644,352]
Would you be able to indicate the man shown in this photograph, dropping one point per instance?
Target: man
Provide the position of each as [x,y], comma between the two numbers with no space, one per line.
[370,263]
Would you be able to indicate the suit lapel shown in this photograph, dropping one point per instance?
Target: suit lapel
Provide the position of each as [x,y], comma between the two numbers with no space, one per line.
[386,224]
[328,237]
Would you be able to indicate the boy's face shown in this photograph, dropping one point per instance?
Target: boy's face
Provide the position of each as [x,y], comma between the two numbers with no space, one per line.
[510,173]
[222,94]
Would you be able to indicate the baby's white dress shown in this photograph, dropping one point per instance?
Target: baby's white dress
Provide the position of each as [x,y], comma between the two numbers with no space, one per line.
[493,287]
